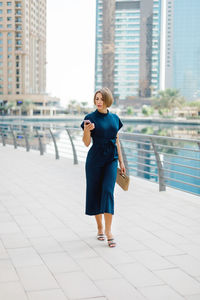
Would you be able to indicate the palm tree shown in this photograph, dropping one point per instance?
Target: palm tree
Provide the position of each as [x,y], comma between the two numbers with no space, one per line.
[168,99]
[26,106]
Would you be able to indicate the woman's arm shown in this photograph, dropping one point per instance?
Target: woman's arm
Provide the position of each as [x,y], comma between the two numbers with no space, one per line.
[87,134]
[120,158]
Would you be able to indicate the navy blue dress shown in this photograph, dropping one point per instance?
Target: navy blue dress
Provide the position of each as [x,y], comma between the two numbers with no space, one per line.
[101,163]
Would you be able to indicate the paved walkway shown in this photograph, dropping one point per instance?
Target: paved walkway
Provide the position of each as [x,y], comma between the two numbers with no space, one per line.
[48,249]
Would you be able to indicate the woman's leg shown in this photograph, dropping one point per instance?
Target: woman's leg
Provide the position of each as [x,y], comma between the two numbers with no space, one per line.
[108,224]
[100,234]
[99,223]
[108,232]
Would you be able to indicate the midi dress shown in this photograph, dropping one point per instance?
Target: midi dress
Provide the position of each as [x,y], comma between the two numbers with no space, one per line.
[101,163]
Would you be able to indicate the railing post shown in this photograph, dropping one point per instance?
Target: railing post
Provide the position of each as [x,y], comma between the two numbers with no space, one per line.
[3,137]
[162,185]
[26,140]
[40,142]
[73,147]
[55,145]
[14,138]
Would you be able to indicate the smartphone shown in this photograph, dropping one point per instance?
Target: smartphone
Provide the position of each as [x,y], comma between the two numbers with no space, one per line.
[86,122]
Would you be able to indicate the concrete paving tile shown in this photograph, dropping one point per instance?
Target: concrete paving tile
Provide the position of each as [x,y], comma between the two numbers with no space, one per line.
[45,245]
[151,260]
[77,285]
[187,263]
[96,298]
[51,222]
[26,220]
[37,278]
[79,249]
[60,262]
[3,251]
[63,234]
[161,292]
[162,248]
[193,297]
[8,228]
[5,217]
[17,240]
[12,291]
[47,295]
[179,281]
[34,231]
[128,243]
[115,257]
[170,237]
[25,257]
[138,275]
[118,289]
[102,269]
[7,271]
[18,211]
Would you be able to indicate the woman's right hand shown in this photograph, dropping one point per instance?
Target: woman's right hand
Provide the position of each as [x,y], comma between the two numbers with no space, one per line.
[88,127]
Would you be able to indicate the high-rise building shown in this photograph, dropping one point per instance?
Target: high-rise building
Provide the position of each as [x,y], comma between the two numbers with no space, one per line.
[23,51]
[124,47]
[180,43]
[156,35]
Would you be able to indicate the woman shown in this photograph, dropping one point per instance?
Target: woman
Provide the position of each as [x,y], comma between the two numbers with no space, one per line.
[101,163]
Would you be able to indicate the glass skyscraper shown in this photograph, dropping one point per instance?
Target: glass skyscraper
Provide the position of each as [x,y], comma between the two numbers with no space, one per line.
[127,51]
[186,48]
[156,32]
[124,47]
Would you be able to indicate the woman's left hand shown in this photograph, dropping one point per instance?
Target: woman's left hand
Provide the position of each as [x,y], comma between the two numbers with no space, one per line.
[122,167]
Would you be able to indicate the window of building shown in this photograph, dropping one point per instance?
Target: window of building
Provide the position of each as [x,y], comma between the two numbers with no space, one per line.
[1,86]
[1,19]
[9,11]
[1,26]
[9,3]
[1,64]
[9,18]
[17,93]
[17,64]
[17,56]
[1,3]
[1,49]
[9,25]
[9,56]
[9,79]
[9,49]
[1,56]
[1,11]
[17,86]
[1,42]
[17,72]
[10,86]
[9,42]
[10,63]
[9,71]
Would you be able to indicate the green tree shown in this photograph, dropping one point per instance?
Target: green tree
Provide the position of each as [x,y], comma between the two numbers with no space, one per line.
[26,106]
[168,99]
[129,110]
[147,110]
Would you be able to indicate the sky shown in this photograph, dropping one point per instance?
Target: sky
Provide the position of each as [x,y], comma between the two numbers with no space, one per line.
[71,49]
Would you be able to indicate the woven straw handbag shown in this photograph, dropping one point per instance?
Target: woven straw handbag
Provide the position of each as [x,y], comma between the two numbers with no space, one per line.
[123,180]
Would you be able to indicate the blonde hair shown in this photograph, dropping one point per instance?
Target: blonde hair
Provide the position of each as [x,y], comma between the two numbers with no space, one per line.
[106,96]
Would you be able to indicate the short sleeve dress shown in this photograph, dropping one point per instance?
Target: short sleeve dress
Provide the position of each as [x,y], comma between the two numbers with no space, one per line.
[101,163]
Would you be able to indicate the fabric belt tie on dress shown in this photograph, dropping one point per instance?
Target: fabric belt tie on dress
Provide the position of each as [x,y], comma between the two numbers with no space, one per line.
[105,144]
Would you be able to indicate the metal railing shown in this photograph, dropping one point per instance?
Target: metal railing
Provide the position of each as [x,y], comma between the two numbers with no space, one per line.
[173,162]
